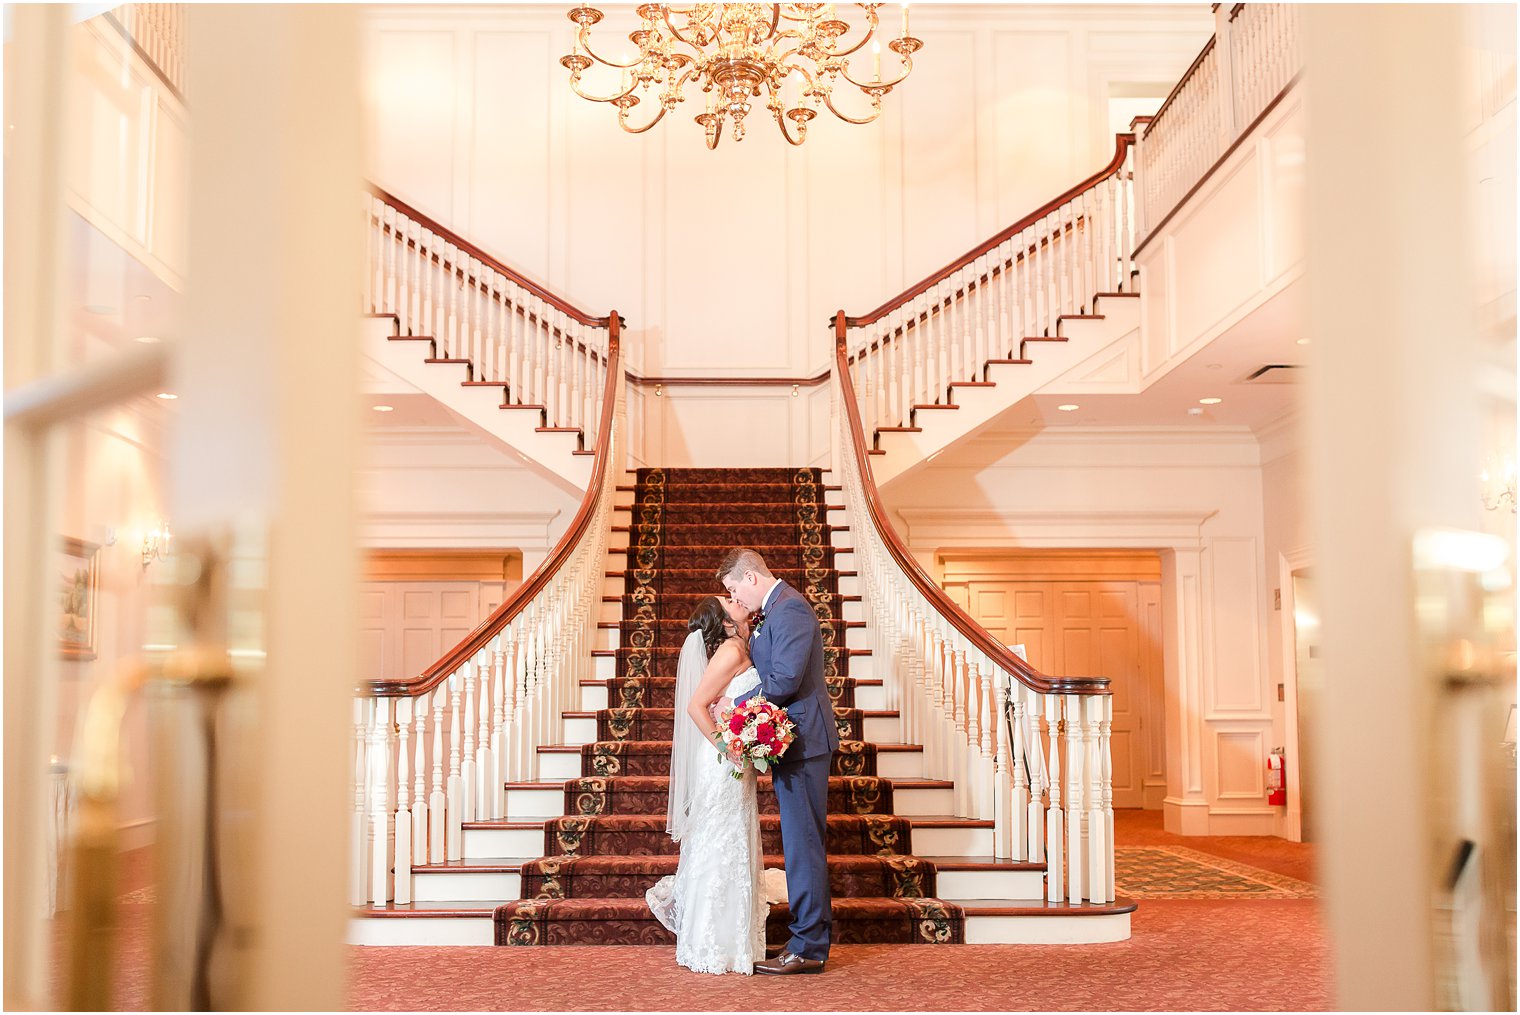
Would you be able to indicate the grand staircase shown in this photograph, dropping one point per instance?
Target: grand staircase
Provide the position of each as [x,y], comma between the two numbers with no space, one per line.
[570,859]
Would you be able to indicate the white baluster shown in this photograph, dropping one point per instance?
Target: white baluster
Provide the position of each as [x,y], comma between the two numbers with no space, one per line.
[437,799]
[485,760]
[467,767]
[392,287]
[987,727]
[420,815]
[456,783]
[1105,738]
[403,834]
[368,299]
[961,723]
[1076,763]
[499,717]
[1096,838]
[1055,824]
[358,885]
[1033,761]
[1007,804]
[379,814]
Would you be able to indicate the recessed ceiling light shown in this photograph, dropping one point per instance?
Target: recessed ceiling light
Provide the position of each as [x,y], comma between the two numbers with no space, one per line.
[167,396]
[1214,366]
[149,339]
[1068,407]
[1210,401]
[383,408]
[1303,341]
[1195,411]
[143,298]
[100,308]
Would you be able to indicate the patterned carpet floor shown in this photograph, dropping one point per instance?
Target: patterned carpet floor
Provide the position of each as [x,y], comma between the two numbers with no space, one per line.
[1186,953]
[1176,872]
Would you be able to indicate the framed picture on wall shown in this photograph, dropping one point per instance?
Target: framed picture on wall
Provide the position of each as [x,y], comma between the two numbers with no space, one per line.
[78,585]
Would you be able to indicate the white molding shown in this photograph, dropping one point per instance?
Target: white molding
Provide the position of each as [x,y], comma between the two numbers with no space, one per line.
[1138,528]
[528,530]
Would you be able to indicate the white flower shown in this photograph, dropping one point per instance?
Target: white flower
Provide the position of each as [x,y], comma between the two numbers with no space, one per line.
[748,736]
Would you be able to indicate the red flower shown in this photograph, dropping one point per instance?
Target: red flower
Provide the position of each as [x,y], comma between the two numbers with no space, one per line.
[765,733]
[736,724]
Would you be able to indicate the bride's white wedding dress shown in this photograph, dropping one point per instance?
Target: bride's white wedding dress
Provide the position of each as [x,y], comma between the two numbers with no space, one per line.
[717,901]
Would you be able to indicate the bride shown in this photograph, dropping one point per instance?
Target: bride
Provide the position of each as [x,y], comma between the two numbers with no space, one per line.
[717,901]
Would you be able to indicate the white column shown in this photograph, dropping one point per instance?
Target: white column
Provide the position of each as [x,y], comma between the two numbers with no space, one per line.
[1393,355]
[266,446]
[38,58]
[1185,809]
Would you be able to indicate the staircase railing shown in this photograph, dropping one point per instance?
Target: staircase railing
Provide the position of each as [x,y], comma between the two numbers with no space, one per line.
[434,752]
[510,330]
[1253,57]
[945,329]
[975,706]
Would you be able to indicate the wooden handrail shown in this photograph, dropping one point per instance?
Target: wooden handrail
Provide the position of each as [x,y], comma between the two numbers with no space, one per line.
[525,593]
[721,382]
[1122,144]
[1156,116]
[943,604]
[456,240]
[965,291]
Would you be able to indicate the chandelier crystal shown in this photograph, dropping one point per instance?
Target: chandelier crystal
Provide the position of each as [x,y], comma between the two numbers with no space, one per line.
[793,56]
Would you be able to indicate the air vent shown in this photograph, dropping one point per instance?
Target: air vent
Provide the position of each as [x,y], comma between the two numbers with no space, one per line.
[1273,373]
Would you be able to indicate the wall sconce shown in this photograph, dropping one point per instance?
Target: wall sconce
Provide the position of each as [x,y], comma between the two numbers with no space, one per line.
[155,545]
[1499,486]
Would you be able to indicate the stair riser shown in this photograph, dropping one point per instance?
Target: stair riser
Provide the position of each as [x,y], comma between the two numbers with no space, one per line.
[844,932]
[609,613]
[396,931]
[900,764]
[1047,930]
[878,729]
[465,886]
[536,804]
[843,883]
[494,842]
[989,884]
[606,638]
[952,842]
[870,697]
[604,667]
[1034,930]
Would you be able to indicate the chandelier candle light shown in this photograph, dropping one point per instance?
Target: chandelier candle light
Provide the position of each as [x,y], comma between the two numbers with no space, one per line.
[738,52]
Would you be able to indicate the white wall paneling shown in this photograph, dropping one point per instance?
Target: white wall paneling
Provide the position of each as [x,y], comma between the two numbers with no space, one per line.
[1230,248]
[731,262]
[1195,497]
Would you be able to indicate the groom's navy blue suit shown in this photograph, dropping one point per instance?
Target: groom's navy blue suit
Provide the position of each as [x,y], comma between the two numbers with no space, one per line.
[788,653]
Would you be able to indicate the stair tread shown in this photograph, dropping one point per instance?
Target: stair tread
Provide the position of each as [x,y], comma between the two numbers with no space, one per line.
[486,908]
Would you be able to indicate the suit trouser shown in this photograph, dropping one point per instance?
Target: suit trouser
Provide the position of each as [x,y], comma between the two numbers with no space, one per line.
[802,792]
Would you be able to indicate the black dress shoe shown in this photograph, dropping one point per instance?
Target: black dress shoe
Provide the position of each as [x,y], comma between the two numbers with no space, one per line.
[787,964]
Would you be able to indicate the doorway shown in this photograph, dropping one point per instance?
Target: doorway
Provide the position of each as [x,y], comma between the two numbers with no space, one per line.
[1082,613]
[1310,683]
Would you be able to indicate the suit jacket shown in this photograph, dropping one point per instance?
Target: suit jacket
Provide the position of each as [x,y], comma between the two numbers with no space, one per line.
[788,653]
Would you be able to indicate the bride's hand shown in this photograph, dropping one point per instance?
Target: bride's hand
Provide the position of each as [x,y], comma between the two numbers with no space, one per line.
[717,708]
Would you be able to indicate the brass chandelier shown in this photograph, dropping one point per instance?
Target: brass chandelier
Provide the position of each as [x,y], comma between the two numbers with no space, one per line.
[737,52]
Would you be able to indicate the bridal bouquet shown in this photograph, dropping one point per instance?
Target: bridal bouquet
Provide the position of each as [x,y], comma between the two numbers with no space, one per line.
[759,731]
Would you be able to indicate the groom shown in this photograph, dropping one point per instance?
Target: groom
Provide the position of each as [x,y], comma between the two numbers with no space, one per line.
[787,648]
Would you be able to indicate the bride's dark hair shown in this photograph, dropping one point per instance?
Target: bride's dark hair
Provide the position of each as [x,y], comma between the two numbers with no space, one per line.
[710,618]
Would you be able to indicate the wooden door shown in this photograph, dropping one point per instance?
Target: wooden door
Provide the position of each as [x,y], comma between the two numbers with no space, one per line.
[1083,615]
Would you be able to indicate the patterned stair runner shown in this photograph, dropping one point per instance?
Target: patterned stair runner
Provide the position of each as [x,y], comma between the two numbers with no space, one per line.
[611,846]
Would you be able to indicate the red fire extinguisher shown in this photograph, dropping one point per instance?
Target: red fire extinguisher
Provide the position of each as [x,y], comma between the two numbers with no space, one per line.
[1277,778]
